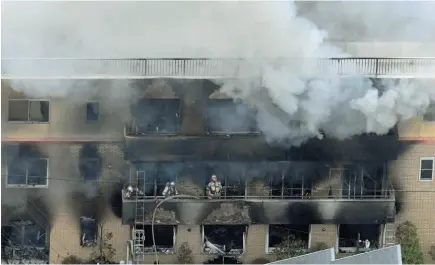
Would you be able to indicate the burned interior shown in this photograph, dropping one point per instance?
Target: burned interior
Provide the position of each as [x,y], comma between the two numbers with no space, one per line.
[23,110]
[225,240]
[26,166]
[156,116]
[88,231]
[24,241]
[224,116]
[277,180]
[358,237]
[281,236]
[165,236]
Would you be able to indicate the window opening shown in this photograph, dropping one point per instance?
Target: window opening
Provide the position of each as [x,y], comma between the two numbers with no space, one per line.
[28,110]
[161,116]
[358,237]
[28,171]
[427,168]
[165,236]
[89,231]
[288,236]
[92,111]
[224,239]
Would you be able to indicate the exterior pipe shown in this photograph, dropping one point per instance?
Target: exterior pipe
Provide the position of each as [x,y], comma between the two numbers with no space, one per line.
[154,215]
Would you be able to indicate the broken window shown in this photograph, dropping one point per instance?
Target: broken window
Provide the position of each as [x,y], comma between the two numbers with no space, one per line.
[157,116]
[224,116]
[88,231]
[358,237]
[89,167]
[26,233]
[165,236]
[224,239]
[21,110]
[30,171]
[296,186]
[276,185]
[24,241]
[92,111]
[427,166]
[288,236]
[362,181]
[233,183]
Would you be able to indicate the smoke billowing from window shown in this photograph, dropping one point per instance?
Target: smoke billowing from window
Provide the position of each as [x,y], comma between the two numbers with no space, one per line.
[288,89]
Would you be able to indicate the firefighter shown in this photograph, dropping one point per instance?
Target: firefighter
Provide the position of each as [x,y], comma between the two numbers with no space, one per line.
[170,190]
[214,188]
[131,192]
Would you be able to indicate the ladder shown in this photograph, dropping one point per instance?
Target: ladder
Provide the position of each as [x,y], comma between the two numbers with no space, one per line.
[139,234]
[390,234]
[390,228]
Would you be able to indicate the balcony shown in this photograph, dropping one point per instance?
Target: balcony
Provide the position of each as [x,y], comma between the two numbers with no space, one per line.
[262,192]
[66,68]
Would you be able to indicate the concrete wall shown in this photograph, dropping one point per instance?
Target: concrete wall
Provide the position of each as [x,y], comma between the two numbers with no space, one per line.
[67,197]
[389,255]
[324,233]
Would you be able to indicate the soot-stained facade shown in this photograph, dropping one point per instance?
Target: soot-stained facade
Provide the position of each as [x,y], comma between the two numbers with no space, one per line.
[267,211]
[76,168]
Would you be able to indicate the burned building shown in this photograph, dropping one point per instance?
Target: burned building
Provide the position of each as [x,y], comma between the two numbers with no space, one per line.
[76,170]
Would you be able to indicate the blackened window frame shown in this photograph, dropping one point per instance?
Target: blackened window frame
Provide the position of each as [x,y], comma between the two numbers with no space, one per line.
[82,228]
[295,231]
[148,230]
[254,129]
[84,162]
[92,111]
[20,228]
[29,119]
[26,174]
[177,114]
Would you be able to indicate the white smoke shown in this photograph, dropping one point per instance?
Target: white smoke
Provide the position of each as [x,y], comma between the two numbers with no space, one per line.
[287,91]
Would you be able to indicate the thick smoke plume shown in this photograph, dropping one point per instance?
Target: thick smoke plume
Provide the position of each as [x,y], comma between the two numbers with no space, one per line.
[272,35]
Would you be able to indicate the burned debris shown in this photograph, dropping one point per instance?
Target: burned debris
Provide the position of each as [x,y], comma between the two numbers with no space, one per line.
[358,237]
[88,232]
[281,237]
[165,236]
[224,240]
[277,180]
[24,242]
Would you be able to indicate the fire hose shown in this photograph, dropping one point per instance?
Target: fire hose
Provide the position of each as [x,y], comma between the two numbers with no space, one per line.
[154,215]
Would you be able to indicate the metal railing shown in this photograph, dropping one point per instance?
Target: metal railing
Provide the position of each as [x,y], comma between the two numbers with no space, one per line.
[290,194]
[182,68]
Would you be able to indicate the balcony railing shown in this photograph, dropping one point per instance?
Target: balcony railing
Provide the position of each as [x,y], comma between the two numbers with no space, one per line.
[291,194]
[58,68]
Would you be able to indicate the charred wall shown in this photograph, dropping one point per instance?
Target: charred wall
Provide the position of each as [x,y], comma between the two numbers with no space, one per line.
[191,212]
[81,178]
